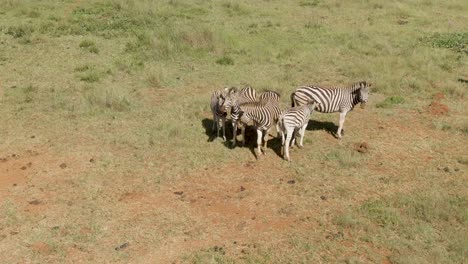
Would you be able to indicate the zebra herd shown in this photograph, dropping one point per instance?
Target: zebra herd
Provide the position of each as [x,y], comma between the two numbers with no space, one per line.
[264,111]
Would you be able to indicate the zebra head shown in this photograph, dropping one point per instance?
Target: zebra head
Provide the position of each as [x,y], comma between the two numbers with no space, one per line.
[225,99]
[364,93]
[312,104]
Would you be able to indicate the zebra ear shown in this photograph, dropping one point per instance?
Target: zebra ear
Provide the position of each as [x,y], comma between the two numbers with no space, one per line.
[232,90]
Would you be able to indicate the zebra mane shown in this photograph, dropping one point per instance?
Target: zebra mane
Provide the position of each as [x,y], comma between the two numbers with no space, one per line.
[271,91]
[354,86]
[252,104]
[361,84]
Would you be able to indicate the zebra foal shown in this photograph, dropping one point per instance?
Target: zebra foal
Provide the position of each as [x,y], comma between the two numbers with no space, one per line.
[261,115]
[294,120]
[335,99]
[272,98]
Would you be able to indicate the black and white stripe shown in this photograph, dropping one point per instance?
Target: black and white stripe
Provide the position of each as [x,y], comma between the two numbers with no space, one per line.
[269,96]
[245,95]
[335,99]
[272,97]
[294,120]
[261,115]
[218,99]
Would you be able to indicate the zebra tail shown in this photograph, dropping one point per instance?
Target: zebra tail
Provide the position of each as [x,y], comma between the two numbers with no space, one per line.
[292,99]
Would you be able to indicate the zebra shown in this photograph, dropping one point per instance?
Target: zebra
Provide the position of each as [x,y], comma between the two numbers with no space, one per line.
[335,99]
[245,95]
[261,116]
[269,96]
[294,120]
[218,98]
[272,97]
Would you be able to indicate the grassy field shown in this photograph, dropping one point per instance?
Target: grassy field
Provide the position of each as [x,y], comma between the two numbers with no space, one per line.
[105,124]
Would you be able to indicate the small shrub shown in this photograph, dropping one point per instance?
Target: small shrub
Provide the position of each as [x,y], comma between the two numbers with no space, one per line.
[310,3]
[347,220]
[454,41]
[391,101]
[90,76]
[380,212]
[154,81]
[225,60]
[110,98]
[199,40]
[234,9]
[34,14]
[89,45]
[20,31]
[93,49]
[463,160]
[82,68]
[344,157]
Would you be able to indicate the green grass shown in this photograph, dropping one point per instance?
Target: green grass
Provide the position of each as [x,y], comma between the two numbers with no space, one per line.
[455,41]
[89,45]
[127,84]
[424,224]
[391,101]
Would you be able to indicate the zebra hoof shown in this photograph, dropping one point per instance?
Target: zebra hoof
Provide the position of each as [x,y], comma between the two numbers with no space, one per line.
[300,146]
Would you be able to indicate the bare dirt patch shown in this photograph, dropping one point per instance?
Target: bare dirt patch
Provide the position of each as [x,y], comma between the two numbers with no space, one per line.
[41,248]
[438,109]
[362,147]
[438,96]
[15,168]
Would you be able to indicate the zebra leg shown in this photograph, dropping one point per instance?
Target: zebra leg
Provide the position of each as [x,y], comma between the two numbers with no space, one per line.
[289,135]
[223,123]
[302,132]
[243,135]
[234,133]
[342,120]
[266,141]
[217,127]
[277,129]
[214,124]
[293,137]
[259,142]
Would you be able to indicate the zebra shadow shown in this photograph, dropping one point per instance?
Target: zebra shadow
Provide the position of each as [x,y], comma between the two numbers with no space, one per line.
[328,126]
[274,142]
[208,126]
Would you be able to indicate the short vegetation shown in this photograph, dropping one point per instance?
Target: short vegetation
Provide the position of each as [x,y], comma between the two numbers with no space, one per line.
[105,121]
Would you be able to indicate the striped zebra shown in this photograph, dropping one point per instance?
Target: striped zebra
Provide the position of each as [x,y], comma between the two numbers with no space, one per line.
[261,116]
[272,97]
[218,99]
[294,120]
[336,99]
[245,95]
[269,96]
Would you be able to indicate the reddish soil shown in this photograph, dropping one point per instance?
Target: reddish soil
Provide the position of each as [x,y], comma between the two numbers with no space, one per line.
[41,248]
[361,147]
[438,96]
[437,109]
[249,203]
[14,169]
